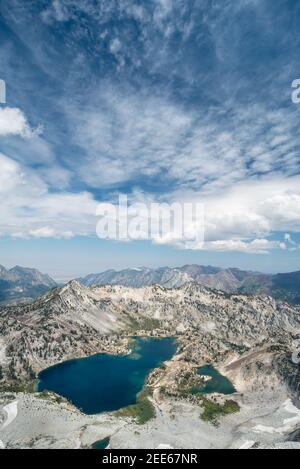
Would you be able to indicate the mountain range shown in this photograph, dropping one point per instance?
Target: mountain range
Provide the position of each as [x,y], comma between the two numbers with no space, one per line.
[280,286]
[23,284]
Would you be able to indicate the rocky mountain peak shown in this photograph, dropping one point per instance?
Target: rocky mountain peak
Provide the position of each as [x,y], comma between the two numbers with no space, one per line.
[23,284]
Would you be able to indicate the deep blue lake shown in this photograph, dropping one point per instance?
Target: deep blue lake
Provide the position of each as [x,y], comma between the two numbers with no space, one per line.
[104,383]
[218,383]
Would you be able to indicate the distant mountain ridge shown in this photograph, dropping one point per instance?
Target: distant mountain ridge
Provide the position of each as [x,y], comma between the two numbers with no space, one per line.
[23,284]
[231,280]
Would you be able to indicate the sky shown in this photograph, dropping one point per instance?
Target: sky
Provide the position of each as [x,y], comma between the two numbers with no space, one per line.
[164,101]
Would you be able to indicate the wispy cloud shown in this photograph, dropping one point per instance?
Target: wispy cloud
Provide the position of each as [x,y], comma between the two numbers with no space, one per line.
[126,137]
[156,98]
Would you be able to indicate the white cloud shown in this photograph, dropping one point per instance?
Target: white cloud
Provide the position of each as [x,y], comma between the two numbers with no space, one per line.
[130,137]
[115,46]
[240,159]
[10,175]
[244,217]
[56,11]
[29,209]
[257,246]
[284,208]
[256,206]
[237,219]
[14,122]
[43,232]
[289,239]
[126,137]
[46,232]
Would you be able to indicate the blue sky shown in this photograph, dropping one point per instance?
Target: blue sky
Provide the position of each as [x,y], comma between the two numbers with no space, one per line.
[163,100]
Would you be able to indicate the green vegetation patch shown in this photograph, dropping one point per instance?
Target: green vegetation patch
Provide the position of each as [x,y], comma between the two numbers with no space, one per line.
[141,412]
[212,410]
[145,324]
[50,396]
[16,388]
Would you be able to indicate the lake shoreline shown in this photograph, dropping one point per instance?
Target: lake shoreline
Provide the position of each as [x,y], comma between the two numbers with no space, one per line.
[64,379]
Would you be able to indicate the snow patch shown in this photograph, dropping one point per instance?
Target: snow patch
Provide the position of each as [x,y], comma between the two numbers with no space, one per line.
[164,446]
[248,444]
[12,413]
[288,424]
